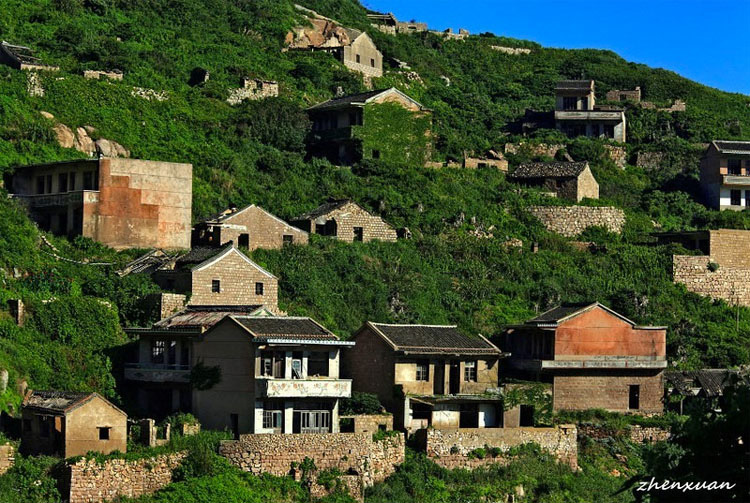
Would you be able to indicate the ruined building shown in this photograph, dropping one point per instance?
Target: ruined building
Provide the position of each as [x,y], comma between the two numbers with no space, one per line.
[569,180]
[625,95]
[428,375]
[22,58]
[384,124]
[594,357]
[576,113]
[122,203]
[347,221]
[387,23]
[725,175]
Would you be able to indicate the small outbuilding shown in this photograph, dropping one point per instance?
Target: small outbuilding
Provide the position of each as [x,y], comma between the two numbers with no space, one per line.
[570,180]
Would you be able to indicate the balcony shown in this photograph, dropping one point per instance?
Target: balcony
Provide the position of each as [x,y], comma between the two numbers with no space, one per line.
[342,133]
[268,387]
[62,199]
[735,180]
[590,115]
[156,373]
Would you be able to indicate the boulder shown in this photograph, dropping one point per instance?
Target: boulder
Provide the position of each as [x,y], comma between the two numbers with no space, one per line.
[64,135]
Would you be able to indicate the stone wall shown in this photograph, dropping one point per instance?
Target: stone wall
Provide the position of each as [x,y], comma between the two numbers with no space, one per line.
[570,221]
[165,304]
[98,74]
[370,423]
[731,284]
[253,89]
[92,482]
[641,435]
[515,51]
[7,457]
[609,390]
[616,154]
[451,448]
[650,160]
[355,453]
[532,149]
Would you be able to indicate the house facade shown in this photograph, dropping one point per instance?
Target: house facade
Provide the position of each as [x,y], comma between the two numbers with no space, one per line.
[427,375]
[576,113]
[725,175]
[569,180]
[384,124]
[220,277]
[122,203]
[594,358]
[250,228]
[347,221]
[277,374]
[67,423]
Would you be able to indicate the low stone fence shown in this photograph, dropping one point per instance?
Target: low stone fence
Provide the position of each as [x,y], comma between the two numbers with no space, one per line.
[7,457]
[452,448]
[726,283]
[570,221]
[368,423]
[92,481]
[641,435]
[281,454]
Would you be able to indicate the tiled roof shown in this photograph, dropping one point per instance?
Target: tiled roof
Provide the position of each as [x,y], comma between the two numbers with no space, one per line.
[560,312]
[549,170]
[21,53]
[198,255]
[732,147]
[710,381]
[574,85]
[324,209]
[347,100]
[147,263]
[54,401]
[201,317]
[433,339]
[285,327]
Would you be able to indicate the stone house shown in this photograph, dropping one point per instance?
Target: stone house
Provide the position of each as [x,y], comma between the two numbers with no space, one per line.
[347,221]
[68,423]
[625,95]
[427,375]
[341,128]
[387,23]
[278,374]
[569,180]
[490,159]
[220,277]
[253,89]
[22,58]
[122,203]
[249,228]
[725,175]
[576,113]
[594,357]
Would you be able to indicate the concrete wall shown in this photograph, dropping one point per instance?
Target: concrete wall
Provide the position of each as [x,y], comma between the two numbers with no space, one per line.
[607,389]
[82,428]
[264,229]
[450,448]
[92,481]
[570,221]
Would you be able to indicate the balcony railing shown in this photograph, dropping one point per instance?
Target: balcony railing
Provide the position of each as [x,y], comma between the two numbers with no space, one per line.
[736,179]
[269,387]
[154,372]
[588,115]
[60,199]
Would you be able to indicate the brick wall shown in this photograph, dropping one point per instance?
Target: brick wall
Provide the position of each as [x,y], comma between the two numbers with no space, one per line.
[373,461]
[7,457]
[608,390]
[92,482]
[570,221]
[450,448]
[731,284]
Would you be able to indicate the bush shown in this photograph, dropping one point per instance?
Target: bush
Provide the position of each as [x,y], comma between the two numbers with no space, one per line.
[360,403]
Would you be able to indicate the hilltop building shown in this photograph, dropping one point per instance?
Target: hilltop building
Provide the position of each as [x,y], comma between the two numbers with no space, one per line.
[594,357]
[725,175]
[347,221]
[576,113]
[122,203]
[569,180]
[387,23]
[22,58]
[428,375]
[67,423]
[384,124]
[633,96]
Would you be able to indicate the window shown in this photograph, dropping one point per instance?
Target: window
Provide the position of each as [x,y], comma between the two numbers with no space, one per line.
[584,103]
[243,241]
[735,197]
[734,166]
[609,131]
[172,353]
[48,187]
[72,180]
[103,432]
[44,426]
[272,363]
[358,58]
[634,396]
[747,198]
[272,419]
[317,364]
[40,185]
[287,239]
[375,154]
[470,371]
[423,371]
[62,182]
[359,234]
[215,286]
[372,62]
[258,288]
[570,103]
[157,351]
[297,366]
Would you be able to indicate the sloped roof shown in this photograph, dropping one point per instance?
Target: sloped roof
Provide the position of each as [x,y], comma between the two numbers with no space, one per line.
[230,213]
[732,147]
[575,85]
[710,381]
[432,339]
[324,209]
[549,170]
[59,402]
[147,263]
[359,99]
[285,327]
[21,53]
[203,256]
[554,316]
[202,317]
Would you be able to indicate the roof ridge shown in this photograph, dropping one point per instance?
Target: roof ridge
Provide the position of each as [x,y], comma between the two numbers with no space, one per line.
[413,325]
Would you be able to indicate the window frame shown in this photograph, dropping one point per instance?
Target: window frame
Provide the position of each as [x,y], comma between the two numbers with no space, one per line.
[470,371]
[738,194]
[106,431]
[422,373]
[259,288]
[158,351]
[215,286]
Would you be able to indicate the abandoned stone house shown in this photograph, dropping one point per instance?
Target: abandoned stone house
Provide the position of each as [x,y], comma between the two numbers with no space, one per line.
[387,23]
[122,203]
[249,228]
[490,159]
[625,95]
[576,113]
[22,58]
[278,374]
[339,124]
[569,180]
[354,48]
[253,89]
[347,221]
[427,375]
[220,277]
[725,175]
[704,385]
[593,356]
[67,423]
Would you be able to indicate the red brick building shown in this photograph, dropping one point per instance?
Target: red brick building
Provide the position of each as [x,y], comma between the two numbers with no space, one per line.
[250,227]
[595,358]
[347,221]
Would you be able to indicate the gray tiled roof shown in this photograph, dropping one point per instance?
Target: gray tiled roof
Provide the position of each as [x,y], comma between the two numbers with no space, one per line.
[732,147]
[549,170]
[433,339]
[347,100]
[323,209]
[558,313]
[54,401]
[198,255]
[285,327]
[711,381]
[574,85]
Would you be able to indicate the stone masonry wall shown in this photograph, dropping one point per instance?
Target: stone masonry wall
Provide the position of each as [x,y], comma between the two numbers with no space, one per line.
[728,283]
[94,482]
[450,448]
[7,457]
[641,435]
[370,423]
[616,154]
[373,461]
[570,221]
[253,89]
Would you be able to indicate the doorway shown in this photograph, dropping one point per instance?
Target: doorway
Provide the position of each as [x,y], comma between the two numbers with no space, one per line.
[634,398]
[312,421]
[455,378]
[243,241]
[234,421]
[438,387]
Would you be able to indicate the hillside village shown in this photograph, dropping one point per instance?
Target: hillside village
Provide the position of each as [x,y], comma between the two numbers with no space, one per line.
[330,262]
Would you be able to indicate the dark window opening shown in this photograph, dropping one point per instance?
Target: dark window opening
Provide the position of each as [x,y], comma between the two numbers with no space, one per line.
[234,421]
[157,351]
[609,131]
[735,197]
[40,185]
[634,396]
[48,187]
[88,180]
[423,371]
[376,154]
[734,166]
[358,58]
[103,432]
[468,416]
[570,103]
[215,286]
[258,288]
[243,241]
[62,182]
[372,62]
[26,425]
[359,234]
[527,415]
[747,198]
[72,181]
[317,364]
[287,239]
[44,426]
[272,364]
[172,353]
[584,103]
